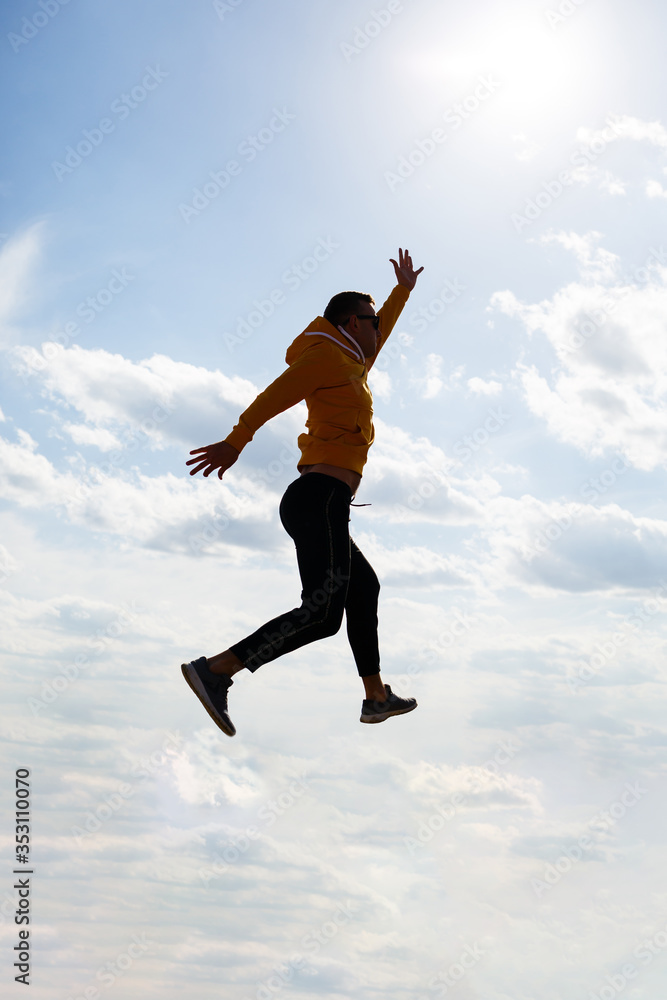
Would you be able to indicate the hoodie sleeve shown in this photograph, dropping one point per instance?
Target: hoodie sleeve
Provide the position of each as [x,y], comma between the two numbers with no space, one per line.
[309,372]
[389,314]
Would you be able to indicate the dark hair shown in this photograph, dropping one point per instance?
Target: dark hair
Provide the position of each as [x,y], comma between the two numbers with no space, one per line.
[343,305]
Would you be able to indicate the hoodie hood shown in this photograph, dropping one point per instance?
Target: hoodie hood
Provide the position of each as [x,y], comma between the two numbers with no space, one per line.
[321,330]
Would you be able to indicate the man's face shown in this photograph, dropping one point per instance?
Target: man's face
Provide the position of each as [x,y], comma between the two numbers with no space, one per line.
[363,330]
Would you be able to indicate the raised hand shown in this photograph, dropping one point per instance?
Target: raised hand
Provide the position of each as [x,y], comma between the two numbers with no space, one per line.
[219,456]
[405,273]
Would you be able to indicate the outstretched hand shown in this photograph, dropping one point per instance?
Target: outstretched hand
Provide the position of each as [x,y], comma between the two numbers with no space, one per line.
[219,456]
[405,273]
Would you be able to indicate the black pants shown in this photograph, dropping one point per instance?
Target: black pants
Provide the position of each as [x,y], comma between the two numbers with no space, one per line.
[335,577]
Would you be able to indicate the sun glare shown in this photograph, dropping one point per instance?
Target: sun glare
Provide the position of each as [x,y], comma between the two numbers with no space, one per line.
[538,70]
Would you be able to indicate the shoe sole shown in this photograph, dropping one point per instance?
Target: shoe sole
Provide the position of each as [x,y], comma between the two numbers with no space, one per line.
[193,679]
[386,715]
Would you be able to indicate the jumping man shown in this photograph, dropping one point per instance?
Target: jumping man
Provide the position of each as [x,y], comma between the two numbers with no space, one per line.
[328,367]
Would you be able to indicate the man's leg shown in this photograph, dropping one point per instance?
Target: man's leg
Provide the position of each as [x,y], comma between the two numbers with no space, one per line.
[361,609]
[361,612]
[314,511]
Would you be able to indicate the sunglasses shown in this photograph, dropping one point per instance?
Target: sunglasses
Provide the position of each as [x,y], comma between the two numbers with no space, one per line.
[375,320]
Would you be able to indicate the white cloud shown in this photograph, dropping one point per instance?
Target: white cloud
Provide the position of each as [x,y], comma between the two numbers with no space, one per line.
[627,127]
[8,564]
[159,400]
[97,436]
[610,184]
[201,776]
[163,511]
[430,382]
[574,546]
[654,189]
[413,565]
[18,258]
[595,263]
[412,479]
[484,388]
[380,383]
[28,478]
[609,388]
[597,140]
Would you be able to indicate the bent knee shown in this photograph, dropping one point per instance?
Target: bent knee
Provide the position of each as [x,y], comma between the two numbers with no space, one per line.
[325,619]
[329,621]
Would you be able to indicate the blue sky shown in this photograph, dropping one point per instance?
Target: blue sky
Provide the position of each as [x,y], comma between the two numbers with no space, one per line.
[183,188]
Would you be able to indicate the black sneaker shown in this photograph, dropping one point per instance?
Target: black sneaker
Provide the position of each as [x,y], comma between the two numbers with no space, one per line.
[211,689]
[378,711]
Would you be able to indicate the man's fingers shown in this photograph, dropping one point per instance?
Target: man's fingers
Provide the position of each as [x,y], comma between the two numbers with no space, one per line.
[198,468]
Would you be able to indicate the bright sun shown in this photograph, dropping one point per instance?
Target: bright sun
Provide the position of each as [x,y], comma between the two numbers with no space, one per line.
[539,71]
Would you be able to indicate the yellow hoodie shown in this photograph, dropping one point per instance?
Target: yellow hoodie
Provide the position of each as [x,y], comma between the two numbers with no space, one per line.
[328,370]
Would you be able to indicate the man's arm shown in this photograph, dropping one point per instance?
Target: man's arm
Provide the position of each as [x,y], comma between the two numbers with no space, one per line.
[406,278]
[297,382]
